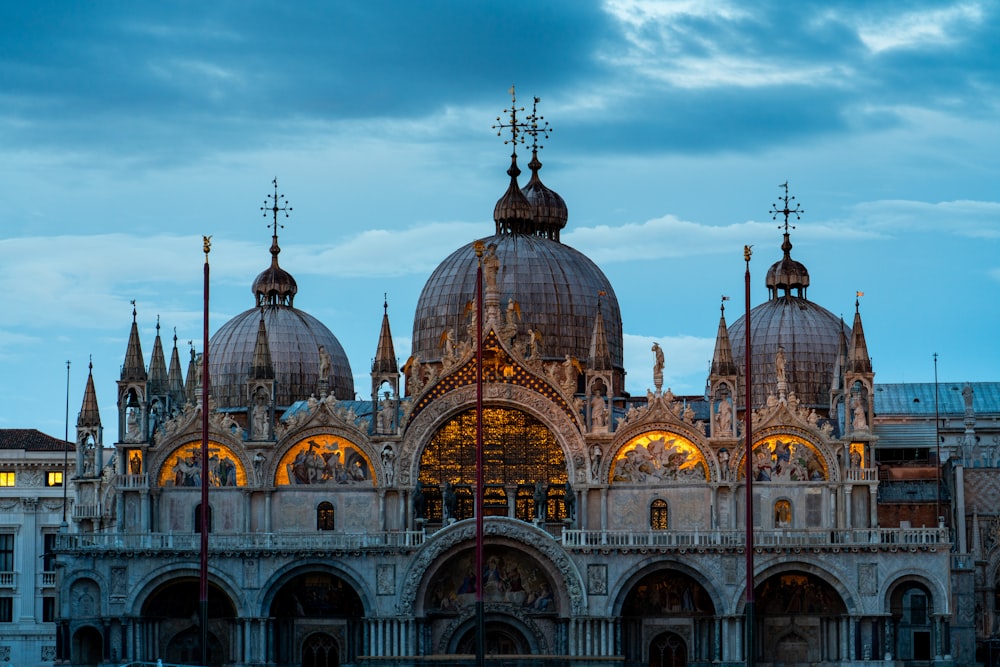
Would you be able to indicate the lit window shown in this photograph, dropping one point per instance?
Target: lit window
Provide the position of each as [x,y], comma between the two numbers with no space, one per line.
[53,478]
[324,516]
[6,478]
[659,516]
[782,514]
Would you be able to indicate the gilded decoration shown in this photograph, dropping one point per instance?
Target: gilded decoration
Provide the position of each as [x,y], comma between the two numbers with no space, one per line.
[509,578]
[786,458]
[183,466]
[658,456]
[324,459]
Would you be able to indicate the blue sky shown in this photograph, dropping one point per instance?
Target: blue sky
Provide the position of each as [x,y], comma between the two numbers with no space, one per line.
[128,130]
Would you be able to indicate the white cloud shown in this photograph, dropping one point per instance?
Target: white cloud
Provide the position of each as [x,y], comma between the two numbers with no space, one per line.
[973,219]
[910,30]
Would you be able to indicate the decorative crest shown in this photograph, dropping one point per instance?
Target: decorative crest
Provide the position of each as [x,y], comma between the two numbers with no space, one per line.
[273,207]
[516,127]
[537,125]
[775,211]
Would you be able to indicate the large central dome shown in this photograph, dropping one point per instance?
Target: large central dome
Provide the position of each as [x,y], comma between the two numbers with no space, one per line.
[557,289]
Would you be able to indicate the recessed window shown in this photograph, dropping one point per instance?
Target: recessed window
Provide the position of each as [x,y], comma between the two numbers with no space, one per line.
[53,478]
[6,552]
[324,516]
[6,610]
[659,515]
[48,552]
[48,609]
[6,478]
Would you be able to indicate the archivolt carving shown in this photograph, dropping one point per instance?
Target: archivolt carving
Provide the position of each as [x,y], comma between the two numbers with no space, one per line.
[541,642]
[539,541]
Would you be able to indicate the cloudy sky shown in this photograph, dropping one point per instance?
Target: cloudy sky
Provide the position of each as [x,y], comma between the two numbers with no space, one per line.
[128,130]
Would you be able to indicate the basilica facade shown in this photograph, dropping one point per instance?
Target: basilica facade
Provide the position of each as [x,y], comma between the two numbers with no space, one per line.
[343,531]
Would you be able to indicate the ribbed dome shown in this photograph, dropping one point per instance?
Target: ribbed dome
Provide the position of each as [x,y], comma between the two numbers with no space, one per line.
[294,338]
[555,286]
[810,335]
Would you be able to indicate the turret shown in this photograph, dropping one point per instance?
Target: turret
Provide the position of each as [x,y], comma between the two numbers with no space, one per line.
[260,388]
[132,390]
[722,382]
[385,381]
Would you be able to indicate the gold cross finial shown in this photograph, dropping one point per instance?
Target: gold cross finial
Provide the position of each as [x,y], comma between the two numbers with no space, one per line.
[272,207]
[775,211]
[516,127]
[537,125]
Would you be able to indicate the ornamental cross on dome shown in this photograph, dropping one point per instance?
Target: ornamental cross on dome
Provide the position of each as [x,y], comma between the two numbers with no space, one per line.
[271,206]
[517,128]
[775,211]
[537,125]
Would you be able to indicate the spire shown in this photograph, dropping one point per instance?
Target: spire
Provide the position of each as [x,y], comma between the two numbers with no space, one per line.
[275,286]
[89,413]
[192,381]
[175,377]
[261,367]
[600,353]
[787,274]
[513,213]
[385,354]
[722,359]
[859,361]
[133,370]
[157,366]
[841,365]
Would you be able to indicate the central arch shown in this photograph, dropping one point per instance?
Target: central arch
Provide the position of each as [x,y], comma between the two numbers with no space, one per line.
[502,638]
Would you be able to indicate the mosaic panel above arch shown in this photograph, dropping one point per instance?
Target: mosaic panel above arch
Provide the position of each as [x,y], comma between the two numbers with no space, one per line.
[786,458]
[658,456]
[510,578]
[182,468]
[324,460]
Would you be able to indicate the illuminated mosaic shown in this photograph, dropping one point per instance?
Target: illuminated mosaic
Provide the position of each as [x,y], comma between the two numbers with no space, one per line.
[183,466]
[324,459]
[518,452]
[658,456]
[509,577]
[786,458]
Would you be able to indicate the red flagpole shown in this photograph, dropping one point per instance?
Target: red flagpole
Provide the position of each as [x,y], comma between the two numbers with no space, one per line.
[748,432]
[203,578]
[480,619]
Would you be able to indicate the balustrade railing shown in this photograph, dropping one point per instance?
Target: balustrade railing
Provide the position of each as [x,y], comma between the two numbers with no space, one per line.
[87,511]
[8,579]
[587,539]
[130,481]
[862,474]
[321,541]
[48,579]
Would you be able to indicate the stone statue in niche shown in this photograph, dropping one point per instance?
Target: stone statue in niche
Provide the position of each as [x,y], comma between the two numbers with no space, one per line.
[724,419]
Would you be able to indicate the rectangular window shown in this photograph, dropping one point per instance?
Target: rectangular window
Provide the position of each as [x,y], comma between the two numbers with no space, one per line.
[48,552]
[53,478]
[48,609]
[814,510]
[6,478]
[6,552]
[6,610]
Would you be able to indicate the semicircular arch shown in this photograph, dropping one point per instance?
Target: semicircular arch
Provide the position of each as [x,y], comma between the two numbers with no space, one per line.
[619,591]
[271,588]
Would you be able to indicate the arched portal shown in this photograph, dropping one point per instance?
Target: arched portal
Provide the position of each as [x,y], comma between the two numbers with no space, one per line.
[320,650]
[667,649]
[672,598]
[173,610]
[798,619]
[88,646]
[502,638]
[912,610]
[317,620]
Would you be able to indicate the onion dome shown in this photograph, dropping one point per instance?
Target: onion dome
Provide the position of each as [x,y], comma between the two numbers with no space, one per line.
[808,333]
[274,285]
[787,274]
[513,212]
[548,207]
[294,339]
